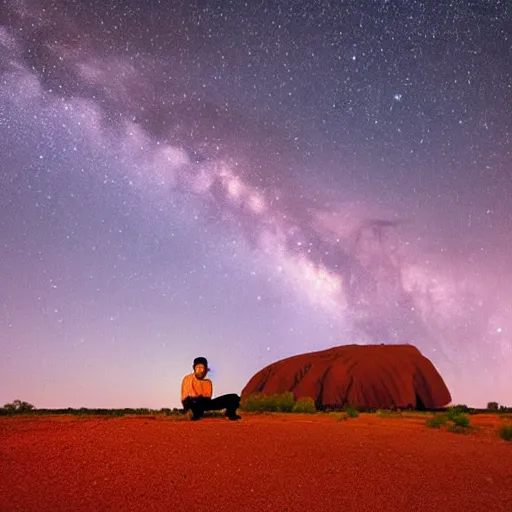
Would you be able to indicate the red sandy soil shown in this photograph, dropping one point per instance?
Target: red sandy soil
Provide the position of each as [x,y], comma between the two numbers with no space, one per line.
[264,462]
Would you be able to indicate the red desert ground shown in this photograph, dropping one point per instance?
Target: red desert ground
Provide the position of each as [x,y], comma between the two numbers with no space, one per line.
[278,462]
[281,462]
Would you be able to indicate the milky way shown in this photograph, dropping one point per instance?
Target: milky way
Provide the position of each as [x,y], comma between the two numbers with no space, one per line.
[247,183]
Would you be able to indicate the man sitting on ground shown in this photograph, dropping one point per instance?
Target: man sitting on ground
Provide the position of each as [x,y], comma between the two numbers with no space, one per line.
[196,394]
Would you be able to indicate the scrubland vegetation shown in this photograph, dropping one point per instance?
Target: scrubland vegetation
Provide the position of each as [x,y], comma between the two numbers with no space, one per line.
[456,419]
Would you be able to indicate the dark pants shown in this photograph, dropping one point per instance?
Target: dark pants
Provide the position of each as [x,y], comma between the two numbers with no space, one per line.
[198,405]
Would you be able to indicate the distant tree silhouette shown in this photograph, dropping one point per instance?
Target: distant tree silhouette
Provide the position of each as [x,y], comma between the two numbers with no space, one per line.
[19,406]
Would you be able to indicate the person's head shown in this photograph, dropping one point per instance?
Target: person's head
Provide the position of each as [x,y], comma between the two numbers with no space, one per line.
[200,367]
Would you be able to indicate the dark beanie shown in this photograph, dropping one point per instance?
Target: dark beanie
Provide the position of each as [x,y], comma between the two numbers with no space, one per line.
[200,360]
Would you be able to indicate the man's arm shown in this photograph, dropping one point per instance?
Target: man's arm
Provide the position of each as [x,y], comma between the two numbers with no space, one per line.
[185,388]
[207,388]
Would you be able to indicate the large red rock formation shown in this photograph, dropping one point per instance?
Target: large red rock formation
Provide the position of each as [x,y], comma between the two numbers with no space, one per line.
[364,376]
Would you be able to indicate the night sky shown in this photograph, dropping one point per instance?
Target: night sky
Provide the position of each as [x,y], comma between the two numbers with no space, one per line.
[250,181]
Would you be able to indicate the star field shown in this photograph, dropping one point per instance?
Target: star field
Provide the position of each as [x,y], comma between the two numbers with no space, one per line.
[248,182]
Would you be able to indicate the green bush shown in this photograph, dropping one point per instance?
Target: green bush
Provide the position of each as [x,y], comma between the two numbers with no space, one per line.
[351,412]
[254,403]
[305,405]
[18,406]
[460,420]
[437,421]
[458,415]
[457,429]
[505,432]
[284,402]
[259,402]
[458,409]
[455,421]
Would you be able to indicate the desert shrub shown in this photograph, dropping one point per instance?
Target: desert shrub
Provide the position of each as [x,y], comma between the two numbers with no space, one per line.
[437,421]
[256,402]
[130,410]
[458,417]
[18,406]
[351,412]
[457,429]
[284,402]
[455,421]
[505,432]
[461,420]
[305,405]
[259,402]
[458,409]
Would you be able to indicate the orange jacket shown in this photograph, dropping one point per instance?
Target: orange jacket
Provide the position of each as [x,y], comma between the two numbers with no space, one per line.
[192,386]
